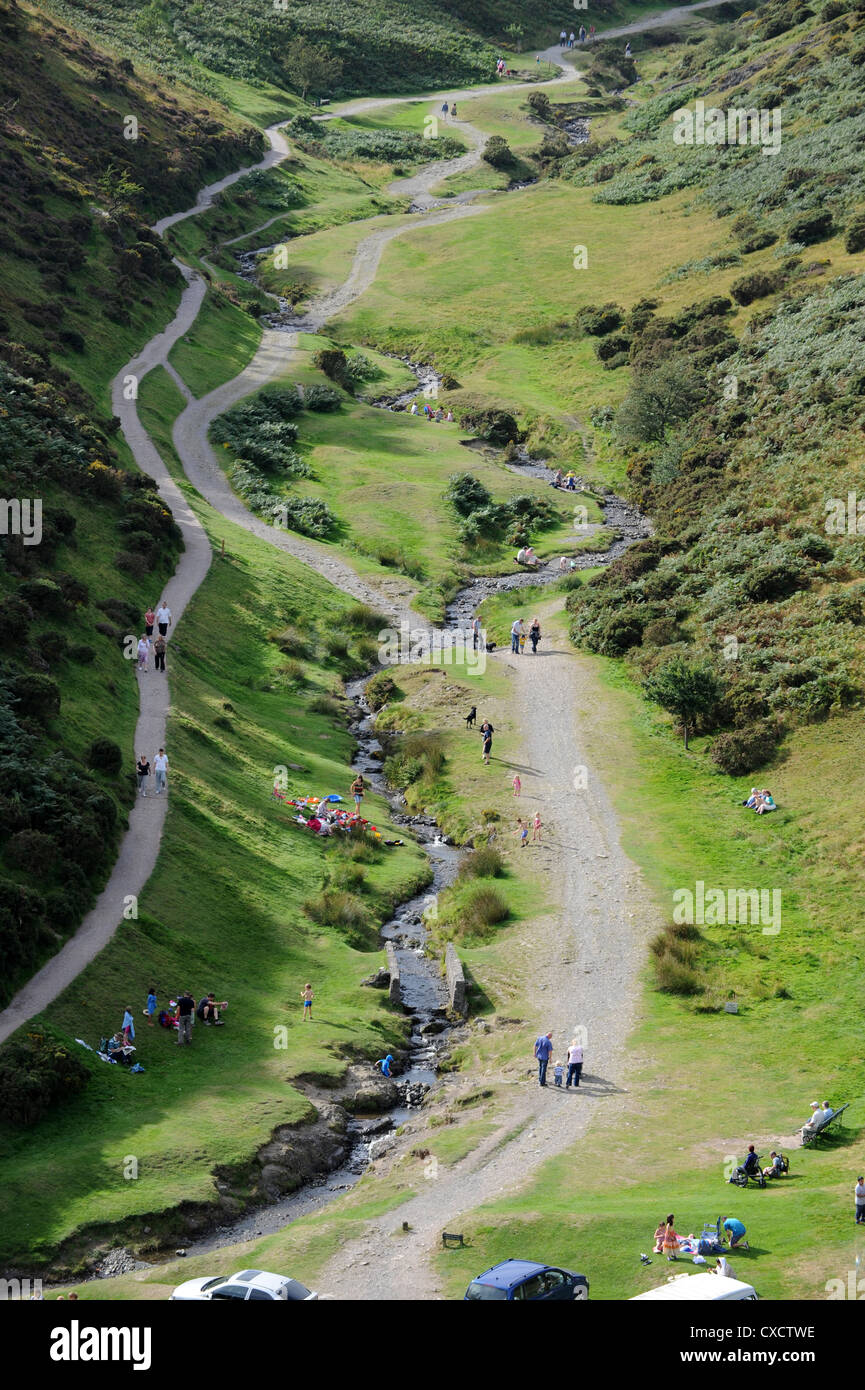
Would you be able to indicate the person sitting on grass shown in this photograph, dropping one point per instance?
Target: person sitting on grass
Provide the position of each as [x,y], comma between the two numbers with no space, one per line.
[765,803]
[658,1238]
[776,1168]
[208,1010]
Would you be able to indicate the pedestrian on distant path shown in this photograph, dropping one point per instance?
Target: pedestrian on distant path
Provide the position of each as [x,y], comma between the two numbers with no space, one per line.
[517,785]
[543,1052]
[163,618]
[860,1201]
[142,768]
[575,1063]
[536,828]
[143,653]
[357,790]
[476,633]
[592,33]
[185,1016]
[149,620]
[307,996]
[535,635]
[159,653]
[523,831]
[571,39]
[160,767]
[445,110]
[563,39]
[150,1006]
[487,732]
[517,631]
[453,111]
[582,33]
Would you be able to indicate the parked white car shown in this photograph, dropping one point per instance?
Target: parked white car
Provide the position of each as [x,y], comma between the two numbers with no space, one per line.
[248,1284]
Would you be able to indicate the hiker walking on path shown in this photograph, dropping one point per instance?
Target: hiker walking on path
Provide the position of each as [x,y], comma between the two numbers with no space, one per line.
[582,33]
[142,768]
[307,996]
[185,1016]
[159,653]
[476,633]
[163,618]
[536,828]
[563,39]
[357,790]
[160,767]
[517,785]
[143,653]
[445,110]
[575,1063]
[487,732]
[543,1052]
[517,631]
[149,620]
[535,635]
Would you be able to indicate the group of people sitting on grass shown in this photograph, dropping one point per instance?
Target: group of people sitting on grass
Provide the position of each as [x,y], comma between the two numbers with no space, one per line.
[760,800]
[750,1165]
[568,480]
[527,556]
[438,415]
[669,1243]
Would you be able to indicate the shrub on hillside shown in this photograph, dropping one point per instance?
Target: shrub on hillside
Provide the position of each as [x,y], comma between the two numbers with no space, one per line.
[321,398]
[815,226]
[38,696]
[32,851]
[293,643]
[380,690]
[854,237]
[754,286]
[35,1073]
[484,907]
[485,862]
[498,153]
[744,750]
[104,755]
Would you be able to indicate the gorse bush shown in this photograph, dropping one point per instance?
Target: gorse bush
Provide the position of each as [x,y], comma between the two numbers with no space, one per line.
[36,1073]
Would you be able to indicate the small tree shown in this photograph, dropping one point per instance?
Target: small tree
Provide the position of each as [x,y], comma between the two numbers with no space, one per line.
[515,32]
[658,399]
[118,189]
[312,68]
[684,691]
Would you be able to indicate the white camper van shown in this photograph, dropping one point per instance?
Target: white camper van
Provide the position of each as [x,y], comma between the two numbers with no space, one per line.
[700,1287]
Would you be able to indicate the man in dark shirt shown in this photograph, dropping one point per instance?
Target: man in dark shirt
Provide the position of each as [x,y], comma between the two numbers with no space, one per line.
[185,1013]
[543,1052]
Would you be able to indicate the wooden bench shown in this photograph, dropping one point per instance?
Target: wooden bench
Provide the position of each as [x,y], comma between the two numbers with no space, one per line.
[450,1236]
[811,1132]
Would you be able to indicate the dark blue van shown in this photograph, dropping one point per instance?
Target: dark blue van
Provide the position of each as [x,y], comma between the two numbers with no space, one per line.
[527,1281]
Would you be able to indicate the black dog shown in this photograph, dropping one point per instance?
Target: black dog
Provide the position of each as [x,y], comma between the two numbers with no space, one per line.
[471,717]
